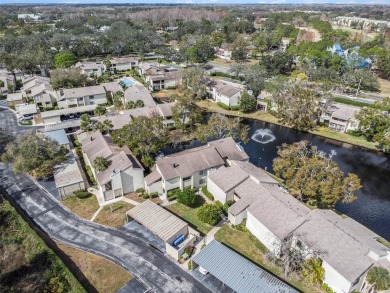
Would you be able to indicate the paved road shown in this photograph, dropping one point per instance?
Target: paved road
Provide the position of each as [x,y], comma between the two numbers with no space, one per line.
[211,66]
[8,121]
[151,268]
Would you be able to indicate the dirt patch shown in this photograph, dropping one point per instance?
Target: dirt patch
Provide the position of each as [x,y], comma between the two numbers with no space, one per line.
[138,198]
[385,87]
[114,215]
[101,273]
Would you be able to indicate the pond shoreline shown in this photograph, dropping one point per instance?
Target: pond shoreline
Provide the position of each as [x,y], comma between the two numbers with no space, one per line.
[269,118]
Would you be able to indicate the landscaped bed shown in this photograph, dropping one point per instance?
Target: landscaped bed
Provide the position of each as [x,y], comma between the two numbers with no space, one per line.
[138,198]
[84,208]
[114,215]
[101,273]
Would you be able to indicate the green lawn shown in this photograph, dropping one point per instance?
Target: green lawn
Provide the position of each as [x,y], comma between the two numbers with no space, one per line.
[188,215]
[244,243]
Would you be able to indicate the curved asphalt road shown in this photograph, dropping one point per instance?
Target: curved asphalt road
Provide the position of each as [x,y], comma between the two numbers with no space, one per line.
[153,269]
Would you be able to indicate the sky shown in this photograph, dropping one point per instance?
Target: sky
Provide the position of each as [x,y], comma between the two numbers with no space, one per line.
[196,1]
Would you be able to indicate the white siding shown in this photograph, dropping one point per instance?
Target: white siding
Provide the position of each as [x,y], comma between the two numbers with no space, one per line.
[334,280]
[123,66]
[217,192]
[155,187]
[237,219]
[262,233]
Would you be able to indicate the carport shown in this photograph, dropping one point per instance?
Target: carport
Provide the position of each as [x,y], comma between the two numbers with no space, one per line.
[163,224]
[237,272]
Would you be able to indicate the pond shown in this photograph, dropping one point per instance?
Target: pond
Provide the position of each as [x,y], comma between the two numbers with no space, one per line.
[372,207]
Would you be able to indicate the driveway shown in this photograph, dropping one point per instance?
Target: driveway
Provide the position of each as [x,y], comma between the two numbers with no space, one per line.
[150,267]
[8,121]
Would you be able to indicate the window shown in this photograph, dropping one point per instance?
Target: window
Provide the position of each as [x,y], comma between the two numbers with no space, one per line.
[91,97]
[202,181]
[187,178]
[300,244]
[203,172]
[80,99]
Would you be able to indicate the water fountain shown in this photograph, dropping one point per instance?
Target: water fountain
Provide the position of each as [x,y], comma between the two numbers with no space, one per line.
[263,136]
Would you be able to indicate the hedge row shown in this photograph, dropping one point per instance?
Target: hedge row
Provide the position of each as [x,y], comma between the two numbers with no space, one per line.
[226,107]
[207,193]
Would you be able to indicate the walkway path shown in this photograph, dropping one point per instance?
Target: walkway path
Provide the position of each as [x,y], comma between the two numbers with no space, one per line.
[129,250]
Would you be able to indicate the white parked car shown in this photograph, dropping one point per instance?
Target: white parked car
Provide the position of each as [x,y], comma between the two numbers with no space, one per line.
[26,118]
[203,271]
[352,97]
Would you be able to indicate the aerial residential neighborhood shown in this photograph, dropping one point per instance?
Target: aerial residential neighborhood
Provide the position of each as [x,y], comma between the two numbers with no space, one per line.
[195,147]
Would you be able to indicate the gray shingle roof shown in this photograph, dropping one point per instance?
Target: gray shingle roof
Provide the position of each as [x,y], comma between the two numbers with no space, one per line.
[237,272]
[58,135]
[139,92]
[340,250]
[185,163]
[81,92]
[166,109]
[68,111]
[255,172]
[158,220]
[228,148]
[342,111]
[152,177]
[228,178]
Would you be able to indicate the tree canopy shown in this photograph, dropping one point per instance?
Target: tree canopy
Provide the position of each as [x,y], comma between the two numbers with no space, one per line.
[313,176]
[220,126]
[34,154]
[64,60]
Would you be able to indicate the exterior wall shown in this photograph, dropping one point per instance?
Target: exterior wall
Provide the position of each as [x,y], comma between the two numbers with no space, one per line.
[171,184]
[197,179]
[237,219]
[97,99]
[262,233]
[334,280]
[170,83]
[218,193]
[155,187]
[116,183]
[14,103]
[176,253]
[68,190]
[123,66]
[132,179]
[51,120]
[62,104]
[230,101]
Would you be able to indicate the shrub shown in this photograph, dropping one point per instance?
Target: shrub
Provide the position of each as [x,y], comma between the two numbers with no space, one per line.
[223,106]
[82,194]
[207,193]
[145,196]
[209,213]
[189,265]
[187,197]
[189,250]
[235,108]
[90,174]
[226,206]
[153,194]
[140,190]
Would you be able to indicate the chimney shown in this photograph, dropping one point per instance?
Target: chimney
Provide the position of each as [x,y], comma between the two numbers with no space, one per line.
[175,165]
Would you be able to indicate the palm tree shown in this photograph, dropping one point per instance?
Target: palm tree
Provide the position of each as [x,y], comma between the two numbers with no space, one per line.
[107,125]
[379,278]
[100,110]
[118,100]
[313,270]
[98,126]
[100,164]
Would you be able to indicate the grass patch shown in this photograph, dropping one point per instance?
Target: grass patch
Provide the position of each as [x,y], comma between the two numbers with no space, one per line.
[241,242]
[27,263]
[84,208]
[101,273]
[188,215]
[383,241]
[347,101]
[207,193]
[344,137]
[114,215]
